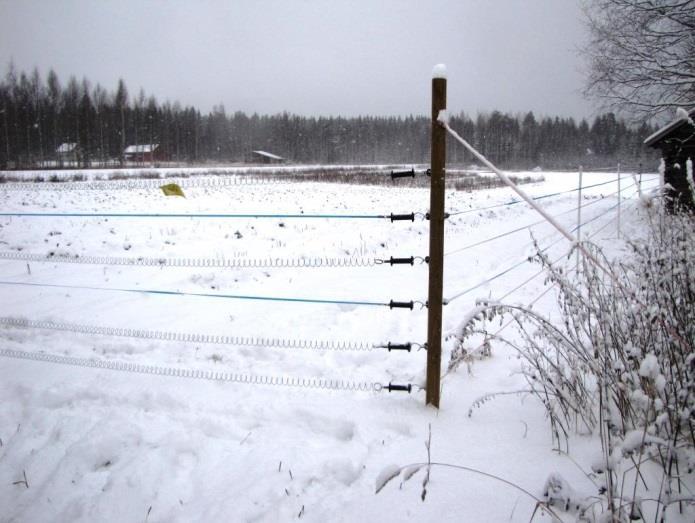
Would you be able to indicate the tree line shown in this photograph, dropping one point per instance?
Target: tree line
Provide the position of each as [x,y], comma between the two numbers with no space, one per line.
[39,115]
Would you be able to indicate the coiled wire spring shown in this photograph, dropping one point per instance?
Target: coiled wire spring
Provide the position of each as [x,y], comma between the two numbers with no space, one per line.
[241,341]
[279,381]
[148,184]
[229,263]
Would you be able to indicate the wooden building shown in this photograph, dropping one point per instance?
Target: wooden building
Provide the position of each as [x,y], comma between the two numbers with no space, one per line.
[68,154]
[144,153]
[676,141]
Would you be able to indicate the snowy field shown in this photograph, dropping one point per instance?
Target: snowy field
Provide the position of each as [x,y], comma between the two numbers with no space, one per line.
[87,444]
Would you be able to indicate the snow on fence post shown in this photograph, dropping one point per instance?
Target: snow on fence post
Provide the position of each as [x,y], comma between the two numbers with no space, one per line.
[436,265]
[579,214]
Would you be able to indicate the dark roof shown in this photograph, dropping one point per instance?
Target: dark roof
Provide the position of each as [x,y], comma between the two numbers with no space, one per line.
[666,130]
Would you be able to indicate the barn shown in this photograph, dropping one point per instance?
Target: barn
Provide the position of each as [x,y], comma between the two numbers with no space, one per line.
[676,141]
[144,153]
[68,154]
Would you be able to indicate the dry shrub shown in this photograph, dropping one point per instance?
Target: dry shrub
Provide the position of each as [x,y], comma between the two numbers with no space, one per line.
[620,363]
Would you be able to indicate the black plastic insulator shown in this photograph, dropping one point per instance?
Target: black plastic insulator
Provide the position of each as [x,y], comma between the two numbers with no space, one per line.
[402,388]
[427,215]
[428,172]
[399,346]
[401,305]
[402,261]
[401,217]
[403,174]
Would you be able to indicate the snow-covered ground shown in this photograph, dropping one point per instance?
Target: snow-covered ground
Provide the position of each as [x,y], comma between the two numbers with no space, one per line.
[101,445]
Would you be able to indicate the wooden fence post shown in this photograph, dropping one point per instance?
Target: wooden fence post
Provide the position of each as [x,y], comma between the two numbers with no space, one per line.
[436,266]
[620,198]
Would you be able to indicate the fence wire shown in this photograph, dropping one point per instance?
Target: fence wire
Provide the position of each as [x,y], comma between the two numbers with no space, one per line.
[525,260]
[545,291]
[240,341]
[594,201]
[197,294]
[541,197]
[200,374]
[247,263]
[592,235]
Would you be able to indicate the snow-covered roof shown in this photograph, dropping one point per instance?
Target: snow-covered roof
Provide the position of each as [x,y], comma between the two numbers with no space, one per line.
[142,148]
[682,117]
[268,155]
[66,147]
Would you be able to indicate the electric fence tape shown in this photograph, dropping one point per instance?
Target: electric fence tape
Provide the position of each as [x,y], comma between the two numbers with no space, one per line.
[391,304]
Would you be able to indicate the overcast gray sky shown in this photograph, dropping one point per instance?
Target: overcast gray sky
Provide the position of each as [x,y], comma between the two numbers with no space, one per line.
[312,57]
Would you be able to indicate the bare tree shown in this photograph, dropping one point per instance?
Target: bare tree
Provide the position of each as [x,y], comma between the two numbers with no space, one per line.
[641,55]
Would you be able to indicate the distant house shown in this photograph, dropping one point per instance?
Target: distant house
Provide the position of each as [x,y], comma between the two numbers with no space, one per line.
[68,154]
[144,153]
[676,141]
[265,157]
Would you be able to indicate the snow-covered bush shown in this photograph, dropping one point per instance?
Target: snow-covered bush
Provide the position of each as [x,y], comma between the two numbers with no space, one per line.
[621,362]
